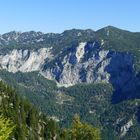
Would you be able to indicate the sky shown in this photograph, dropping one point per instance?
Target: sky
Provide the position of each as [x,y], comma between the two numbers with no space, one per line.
[59,15]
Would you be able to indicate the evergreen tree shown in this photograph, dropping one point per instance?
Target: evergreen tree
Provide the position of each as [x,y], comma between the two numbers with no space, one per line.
[6,128]
[81,131]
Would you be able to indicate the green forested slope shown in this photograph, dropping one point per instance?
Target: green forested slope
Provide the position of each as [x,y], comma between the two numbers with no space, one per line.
[28,122]
[92,102]
[21,121]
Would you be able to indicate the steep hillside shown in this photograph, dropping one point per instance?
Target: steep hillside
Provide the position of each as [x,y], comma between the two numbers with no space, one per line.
[28,122]
[19,120]
[93,102]
[75,56]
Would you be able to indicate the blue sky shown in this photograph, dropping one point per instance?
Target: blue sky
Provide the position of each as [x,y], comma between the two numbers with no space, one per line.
[59,15]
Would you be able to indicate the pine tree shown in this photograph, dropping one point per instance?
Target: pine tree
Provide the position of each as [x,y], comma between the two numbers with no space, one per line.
[6,128]
[81,131]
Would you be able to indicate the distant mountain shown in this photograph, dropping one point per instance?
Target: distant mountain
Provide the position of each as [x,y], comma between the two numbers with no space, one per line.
[85,72]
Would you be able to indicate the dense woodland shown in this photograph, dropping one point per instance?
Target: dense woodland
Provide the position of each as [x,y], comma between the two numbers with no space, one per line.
[20,120]
[92,102]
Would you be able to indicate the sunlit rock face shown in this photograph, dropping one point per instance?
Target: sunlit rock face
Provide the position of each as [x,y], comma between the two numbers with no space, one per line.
[24,60]
[126,127]
[87,63]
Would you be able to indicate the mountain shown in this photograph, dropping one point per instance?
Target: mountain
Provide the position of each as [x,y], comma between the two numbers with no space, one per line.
[91,73]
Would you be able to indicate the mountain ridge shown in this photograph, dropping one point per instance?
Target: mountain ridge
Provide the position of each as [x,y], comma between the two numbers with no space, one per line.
[76,29]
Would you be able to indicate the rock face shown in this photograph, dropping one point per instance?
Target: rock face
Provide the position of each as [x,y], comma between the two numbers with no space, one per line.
[88,63]
[85,62]
[126,127]
[78,64]
[24,60]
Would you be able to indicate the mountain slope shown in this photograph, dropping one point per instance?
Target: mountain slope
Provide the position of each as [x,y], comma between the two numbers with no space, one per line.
[19,120]
[91,73]
[93,102]
[29,123]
